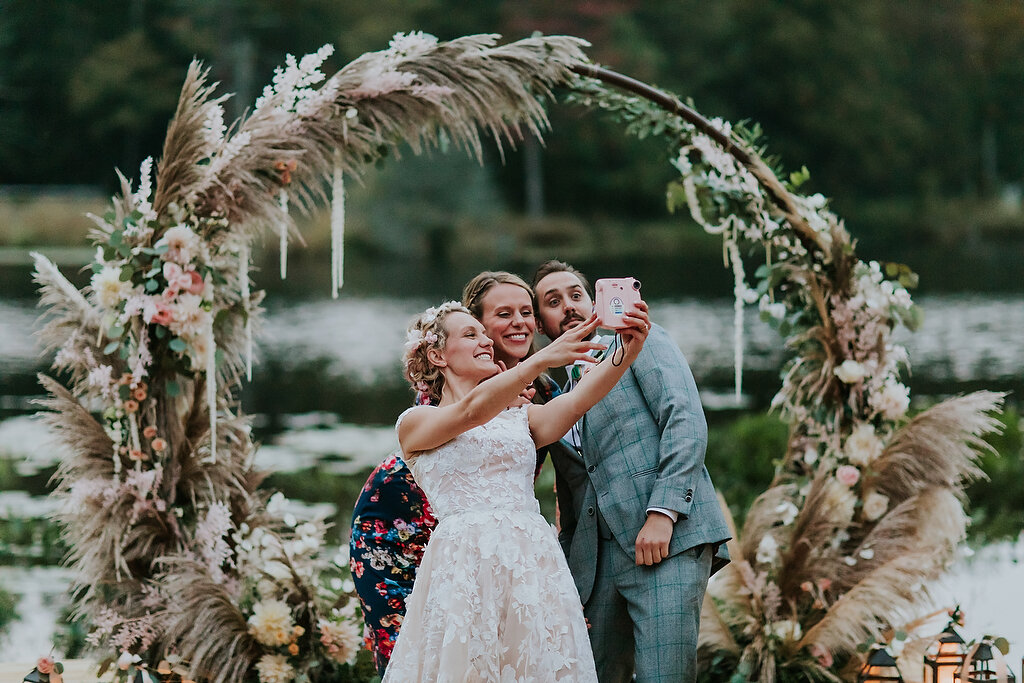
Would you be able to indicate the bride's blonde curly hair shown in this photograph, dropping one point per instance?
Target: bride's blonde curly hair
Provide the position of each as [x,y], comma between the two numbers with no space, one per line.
[425,332]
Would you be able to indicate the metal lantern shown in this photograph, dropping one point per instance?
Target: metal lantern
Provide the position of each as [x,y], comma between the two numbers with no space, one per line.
[944,657]
[879,667]
[984,663]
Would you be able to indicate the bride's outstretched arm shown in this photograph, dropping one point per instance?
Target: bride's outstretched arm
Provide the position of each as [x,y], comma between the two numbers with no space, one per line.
[550,421]
[428,427]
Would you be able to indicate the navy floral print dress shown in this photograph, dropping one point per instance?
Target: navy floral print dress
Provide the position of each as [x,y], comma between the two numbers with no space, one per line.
[391,525]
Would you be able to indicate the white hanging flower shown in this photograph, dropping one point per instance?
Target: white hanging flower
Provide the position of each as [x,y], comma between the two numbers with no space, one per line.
[811,456]
[875,505]
[863,445]
[850,372]
[767,549]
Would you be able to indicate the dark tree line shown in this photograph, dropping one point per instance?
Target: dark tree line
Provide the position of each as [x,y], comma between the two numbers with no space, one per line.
[879,99]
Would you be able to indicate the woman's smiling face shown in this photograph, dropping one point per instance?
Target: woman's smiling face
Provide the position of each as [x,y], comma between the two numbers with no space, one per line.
[468,351]
[507,317]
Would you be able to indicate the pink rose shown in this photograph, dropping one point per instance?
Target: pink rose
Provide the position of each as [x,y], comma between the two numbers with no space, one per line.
[156,311]
[177,279]
[198,285]
[847,475]
[44,665]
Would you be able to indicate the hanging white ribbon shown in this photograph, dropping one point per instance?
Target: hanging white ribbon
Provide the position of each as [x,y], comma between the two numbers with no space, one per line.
[337,227]
[243,281]
[739,288]
[282,200]
[211,393]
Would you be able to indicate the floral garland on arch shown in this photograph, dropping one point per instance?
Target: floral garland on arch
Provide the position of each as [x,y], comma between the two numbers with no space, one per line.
[865,511]
[181,566]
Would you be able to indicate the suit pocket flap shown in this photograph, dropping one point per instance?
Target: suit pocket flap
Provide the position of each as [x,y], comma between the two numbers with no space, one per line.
[644,472]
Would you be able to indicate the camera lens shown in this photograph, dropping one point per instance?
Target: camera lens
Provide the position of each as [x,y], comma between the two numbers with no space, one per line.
[636,285]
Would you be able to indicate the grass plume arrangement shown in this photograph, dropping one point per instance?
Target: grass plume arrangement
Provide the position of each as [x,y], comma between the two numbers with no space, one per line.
[866,509]
[176,555]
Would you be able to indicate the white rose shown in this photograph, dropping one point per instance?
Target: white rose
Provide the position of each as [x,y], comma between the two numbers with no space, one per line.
[863,446]
[892,401]
[767,549]
[875,506]
[850,372]
[787,630]
[787,512]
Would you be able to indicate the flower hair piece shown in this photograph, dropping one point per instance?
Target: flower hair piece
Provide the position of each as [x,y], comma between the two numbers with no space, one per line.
[427,331]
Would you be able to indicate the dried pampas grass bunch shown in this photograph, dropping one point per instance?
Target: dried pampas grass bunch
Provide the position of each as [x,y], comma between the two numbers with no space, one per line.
[176,555]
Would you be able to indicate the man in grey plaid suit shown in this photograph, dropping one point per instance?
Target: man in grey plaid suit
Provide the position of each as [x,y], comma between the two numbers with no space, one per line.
[640,521]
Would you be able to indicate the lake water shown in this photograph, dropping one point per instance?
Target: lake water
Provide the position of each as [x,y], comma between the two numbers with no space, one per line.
[327,387]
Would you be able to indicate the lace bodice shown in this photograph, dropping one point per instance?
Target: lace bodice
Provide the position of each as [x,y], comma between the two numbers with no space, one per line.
[485,469]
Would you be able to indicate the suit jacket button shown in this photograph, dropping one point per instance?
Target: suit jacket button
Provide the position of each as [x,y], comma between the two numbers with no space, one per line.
[688,498]
[591,468]
[590,510]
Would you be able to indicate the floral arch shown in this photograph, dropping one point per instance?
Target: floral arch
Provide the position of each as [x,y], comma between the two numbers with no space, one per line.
[181,565]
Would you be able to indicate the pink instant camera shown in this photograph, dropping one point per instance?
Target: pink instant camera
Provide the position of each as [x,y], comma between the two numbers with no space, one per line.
[614,297]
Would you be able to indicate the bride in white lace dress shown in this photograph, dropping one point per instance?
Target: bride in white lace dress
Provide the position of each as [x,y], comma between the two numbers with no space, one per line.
[493,600]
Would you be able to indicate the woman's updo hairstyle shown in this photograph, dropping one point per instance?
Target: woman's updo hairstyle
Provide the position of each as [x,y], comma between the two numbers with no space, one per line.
[427,331]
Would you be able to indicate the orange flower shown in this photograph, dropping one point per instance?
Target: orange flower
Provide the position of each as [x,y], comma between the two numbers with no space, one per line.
[159,444]
[298,631]
[126,378]
[149,432]
[131,405]
[137,455]
[824,584]
[293,649]
[139,394]
[806,586]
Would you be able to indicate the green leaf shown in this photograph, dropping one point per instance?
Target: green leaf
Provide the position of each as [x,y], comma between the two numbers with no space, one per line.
[96,267]
[152,285]
[115,332]
[126,274]
[1002,645]
[161,249]
[124,352]
[154,271]
[173,388]
[116,238]
[111,347]
[159,331]
[177,344]
[124,391]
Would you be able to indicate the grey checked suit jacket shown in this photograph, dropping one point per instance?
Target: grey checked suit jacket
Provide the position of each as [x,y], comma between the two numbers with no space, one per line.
[642,446]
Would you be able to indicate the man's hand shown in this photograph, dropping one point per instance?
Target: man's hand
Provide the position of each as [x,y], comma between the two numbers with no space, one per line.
[652,541]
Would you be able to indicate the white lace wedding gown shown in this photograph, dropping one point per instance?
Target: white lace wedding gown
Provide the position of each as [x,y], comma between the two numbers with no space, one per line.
[493,600]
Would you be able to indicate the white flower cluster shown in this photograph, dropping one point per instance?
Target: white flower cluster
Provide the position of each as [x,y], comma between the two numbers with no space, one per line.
[291,89]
